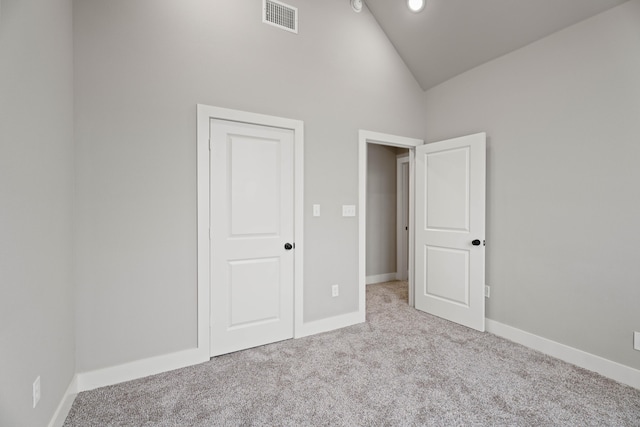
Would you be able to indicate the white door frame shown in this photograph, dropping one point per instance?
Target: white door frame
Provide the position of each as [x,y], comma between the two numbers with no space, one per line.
[204,115]
[366,137]
[402,238]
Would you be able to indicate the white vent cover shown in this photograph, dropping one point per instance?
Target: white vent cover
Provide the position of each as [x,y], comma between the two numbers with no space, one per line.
[280,15]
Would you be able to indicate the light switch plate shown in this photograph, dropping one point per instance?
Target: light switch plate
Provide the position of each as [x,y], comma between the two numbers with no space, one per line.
[316,210]
[36,391]
[348,210]
[636,340]
[335,290]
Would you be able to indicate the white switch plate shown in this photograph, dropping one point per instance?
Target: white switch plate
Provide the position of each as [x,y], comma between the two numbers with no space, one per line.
[487,291]
[316,210]
[636,340]
[36,391]
[348,210]
[335,290]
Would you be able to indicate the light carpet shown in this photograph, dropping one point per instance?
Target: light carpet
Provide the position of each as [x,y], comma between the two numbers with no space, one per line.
[401,367]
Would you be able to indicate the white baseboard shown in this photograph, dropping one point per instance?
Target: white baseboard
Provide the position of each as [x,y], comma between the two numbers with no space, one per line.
[140,369]
[65,404]
[379,278]
[615,371]
[330,324]
[90,380]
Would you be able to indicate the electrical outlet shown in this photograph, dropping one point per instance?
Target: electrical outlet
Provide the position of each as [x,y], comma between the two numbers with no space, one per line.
[636,340]
[36,391]
[335,290]
[487,291]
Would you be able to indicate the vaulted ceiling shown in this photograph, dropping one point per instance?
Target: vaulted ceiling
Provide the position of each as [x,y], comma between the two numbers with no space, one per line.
[450,37]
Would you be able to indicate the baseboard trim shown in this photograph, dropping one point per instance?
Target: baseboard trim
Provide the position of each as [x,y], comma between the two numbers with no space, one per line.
[379,278]
[139,369]
[90,380]
[330,324]
[608,368]
[60,415]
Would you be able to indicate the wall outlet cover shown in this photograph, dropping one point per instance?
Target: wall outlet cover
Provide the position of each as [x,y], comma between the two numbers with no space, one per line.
[36,391]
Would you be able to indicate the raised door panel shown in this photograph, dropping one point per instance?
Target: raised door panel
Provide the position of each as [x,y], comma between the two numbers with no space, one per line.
[447,275]
[254,169]
[447,183]
[252,302]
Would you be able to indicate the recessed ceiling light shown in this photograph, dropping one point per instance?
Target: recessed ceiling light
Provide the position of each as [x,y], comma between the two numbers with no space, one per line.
[416,5]
[356,5]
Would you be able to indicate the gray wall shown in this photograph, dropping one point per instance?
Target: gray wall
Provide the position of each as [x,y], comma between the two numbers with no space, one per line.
[562,116]
[141,67]
[36,200]
[381,209]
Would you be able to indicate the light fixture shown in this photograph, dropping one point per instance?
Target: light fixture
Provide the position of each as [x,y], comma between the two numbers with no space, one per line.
[416,5]
[356,5]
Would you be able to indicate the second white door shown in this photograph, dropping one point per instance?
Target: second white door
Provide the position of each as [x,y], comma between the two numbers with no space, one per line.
[450,227]
[252,232]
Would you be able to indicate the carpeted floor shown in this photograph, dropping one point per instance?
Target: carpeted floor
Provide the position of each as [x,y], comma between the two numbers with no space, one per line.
[401,367]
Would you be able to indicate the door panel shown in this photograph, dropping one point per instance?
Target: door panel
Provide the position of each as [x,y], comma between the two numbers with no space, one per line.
[252,302]
[251,220]
[254,184]
[450,214]
[447,183]
[447,274]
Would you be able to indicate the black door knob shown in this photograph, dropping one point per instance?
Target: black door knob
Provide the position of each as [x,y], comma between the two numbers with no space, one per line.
[288,246]
[476,242]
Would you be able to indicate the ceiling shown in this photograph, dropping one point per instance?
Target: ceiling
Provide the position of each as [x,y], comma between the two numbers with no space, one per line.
[450,37]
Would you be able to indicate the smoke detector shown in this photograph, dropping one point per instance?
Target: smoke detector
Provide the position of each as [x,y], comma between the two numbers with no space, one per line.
[356,5]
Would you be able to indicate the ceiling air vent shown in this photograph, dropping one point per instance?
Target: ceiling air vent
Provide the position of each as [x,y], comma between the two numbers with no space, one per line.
[280,15]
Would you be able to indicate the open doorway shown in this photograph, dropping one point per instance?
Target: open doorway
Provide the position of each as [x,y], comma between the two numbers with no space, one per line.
[366,140]
[387,219]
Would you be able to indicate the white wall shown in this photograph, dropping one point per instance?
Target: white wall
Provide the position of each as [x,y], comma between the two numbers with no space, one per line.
[141,68]
[563,120]
[36,199]
[381,210]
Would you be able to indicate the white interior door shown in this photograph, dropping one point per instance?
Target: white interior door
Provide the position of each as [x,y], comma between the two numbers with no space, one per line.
[252,220]
[450,229]
[402,213]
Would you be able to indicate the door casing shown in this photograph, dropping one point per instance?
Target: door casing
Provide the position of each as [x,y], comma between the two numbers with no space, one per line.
[204,115]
